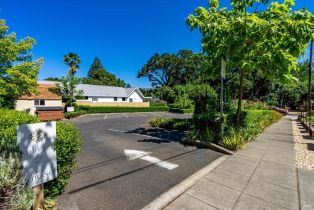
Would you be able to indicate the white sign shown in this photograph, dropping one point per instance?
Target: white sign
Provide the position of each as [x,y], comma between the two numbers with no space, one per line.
[36,142]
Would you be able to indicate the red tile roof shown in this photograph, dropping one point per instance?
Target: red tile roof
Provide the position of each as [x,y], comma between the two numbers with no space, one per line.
[44,93]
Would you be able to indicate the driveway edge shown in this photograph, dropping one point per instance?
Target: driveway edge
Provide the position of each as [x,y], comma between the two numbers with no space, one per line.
[167,197]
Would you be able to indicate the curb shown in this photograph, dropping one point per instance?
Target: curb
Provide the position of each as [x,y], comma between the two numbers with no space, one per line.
[166,198]
[210,145]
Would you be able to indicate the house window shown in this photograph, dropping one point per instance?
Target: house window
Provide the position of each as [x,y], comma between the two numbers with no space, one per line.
[131,100]
[115,98]
[39,103]
[86,97]
[123,99]
[95,99]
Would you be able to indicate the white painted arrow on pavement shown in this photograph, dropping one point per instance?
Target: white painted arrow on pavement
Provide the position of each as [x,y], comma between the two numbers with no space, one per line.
[135,154]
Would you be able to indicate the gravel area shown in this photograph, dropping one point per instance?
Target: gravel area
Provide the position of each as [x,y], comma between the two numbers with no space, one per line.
[304,147]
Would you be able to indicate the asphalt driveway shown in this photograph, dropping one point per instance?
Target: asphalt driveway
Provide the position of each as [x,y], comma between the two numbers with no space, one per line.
[125,164]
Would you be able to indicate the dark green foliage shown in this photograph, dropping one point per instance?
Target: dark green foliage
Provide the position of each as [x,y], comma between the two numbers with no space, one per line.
[253,122]
[68,145]
[173,69]
[157,103]
[98,75]
[116,109]
[74,114]
[182,111]
[9,119]
[57,79]
[171,123]
[205,127]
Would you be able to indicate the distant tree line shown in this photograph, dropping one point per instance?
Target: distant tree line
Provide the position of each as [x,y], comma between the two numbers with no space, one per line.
[98,75]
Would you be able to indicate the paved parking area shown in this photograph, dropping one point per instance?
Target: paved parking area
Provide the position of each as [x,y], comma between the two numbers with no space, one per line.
[125,164]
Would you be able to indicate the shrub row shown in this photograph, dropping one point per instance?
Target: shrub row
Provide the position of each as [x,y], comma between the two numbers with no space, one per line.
[182,111]
[68,144]
[115,109]
[253,122]
[70,115]
[171,123]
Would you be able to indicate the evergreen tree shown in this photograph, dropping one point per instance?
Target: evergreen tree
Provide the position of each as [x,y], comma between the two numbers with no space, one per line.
[98,75]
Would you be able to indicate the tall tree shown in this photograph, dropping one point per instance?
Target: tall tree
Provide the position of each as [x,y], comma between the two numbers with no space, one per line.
[268,41]
[172,69]
[18,72]
[73,61]
[69,83]
[98,75]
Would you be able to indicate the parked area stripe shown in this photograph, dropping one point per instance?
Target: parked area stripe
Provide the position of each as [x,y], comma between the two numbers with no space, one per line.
[158,162]
[125,115]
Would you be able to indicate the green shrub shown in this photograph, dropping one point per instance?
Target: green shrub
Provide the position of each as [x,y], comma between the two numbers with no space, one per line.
[182,111]
[67,145]
[233,140]
[157,103]
[116,109]
[171,123]
[70,115]
[13,193]
[205,127]
[253,122]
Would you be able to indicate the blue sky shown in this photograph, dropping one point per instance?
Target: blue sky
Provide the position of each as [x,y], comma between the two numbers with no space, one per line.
[124,34]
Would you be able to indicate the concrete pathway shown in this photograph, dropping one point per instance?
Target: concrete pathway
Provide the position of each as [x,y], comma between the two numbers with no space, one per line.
[260,176]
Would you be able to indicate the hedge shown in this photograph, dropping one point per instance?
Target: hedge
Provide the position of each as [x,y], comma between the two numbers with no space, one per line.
[115,109]
[182,111]
[253,122]
[68,144]
[171,123]
[74,114]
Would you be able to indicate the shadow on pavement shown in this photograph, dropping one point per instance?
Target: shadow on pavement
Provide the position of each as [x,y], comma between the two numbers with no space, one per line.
[166,136]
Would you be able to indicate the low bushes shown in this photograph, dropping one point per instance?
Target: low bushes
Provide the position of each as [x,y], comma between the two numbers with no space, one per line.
[67,145]
[205,127]
[115,109]
[171,123]
[253,122]
[74,114]
[182,111]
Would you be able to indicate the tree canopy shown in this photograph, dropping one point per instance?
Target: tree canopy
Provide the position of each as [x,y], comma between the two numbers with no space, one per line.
[173,69]
[98,75]
[73,61]
[18,72]
[268,41]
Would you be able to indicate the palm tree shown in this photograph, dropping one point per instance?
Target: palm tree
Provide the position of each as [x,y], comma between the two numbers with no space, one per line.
[72,60]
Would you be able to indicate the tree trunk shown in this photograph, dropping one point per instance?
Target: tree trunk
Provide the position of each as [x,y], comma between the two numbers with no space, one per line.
[238,113]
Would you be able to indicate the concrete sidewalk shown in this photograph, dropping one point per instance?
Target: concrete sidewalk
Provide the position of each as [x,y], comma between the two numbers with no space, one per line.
[260,176]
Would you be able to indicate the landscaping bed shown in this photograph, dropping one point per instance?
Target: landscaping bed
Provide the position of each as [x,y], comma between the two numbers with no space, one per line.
[206,127]
[15,194]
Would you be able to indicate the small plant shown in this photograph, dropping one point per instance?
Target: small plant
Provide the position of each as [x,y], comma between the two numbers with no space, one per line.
[233,141]
[171,123]
[14,194]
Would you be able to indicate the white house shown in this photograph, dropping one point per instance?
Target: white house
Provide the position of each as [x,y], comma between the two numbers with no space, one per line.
[111,95]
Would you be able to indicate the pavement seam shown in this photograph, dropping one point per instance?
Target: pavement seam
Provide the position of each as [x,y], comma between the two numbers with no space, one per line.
[294,127]
[171,195]
[201,201]
[251,175]
[276,204]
